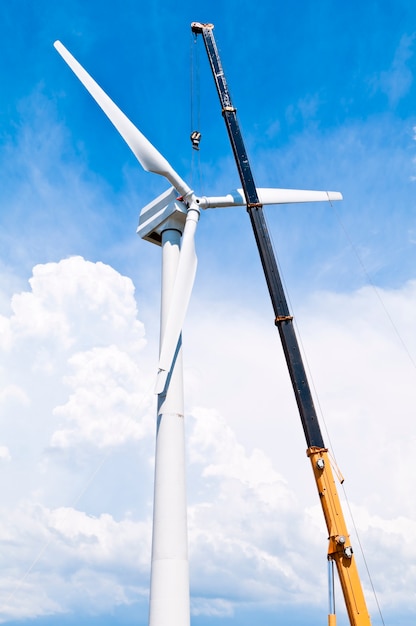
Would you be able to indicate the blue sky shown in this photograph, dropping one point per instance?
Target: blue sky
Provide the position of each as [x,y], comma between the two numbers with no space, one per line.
[326,95]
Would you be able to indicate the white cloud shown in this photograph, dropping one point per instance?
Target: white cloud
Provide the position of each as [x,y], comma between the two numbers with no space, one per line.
[79,386]
[13,393]
[77,328]
[214,607]
[397,80]
[258,511]
[242,528]
[105,402]
[77,302]
[77,561]
[72,384]
[5,453]
[214,444]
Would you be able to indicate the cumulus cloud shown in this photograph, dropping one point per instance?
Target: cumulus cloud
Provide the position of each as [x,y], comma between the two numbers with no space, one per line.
[240,531]
[77,329]
[77,303]
[70,359]
[397,80]
[78,561]
[78,388]
[259,512]
[104,402]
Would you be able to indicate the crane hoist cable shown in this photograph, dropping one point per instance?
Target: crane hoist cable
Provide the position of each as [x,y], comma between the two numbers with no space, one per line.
[195,135]
[195,113]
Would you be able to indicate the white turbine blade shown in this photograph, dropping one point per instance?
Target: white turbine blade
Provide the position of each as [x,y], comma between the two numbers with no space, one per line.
[270,196]
[182,289]
[150,158]
[288,196]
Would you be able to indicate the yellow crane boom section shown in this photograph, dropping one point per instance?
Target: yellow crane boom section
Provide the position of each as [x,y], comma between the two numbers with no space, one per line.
[339,548]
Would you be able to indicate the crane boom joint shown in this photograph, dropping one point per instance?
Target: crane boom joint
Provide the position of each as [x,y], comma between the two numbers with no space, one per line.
[283,318]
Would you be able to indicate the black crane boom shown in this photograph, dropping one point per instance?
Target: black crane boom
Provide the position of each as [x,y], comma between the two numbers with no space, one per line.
[283,318]
[340,551]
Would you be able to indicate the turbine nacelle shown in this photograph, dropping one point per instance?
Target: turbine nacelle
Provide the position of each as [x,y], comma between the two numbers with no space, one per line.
[165,211]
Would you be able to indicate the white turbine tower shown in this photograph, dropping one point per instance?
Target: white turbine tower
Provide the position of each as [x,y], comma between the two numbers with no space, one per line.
[170,221]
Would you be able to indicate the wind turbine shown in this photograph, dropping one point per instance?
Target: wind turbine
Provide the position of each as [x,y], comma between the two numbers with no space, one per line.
[170,221]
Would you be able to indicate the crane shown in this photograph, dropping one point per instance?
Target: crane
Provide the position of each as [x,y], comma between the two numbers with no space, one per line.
[340,551]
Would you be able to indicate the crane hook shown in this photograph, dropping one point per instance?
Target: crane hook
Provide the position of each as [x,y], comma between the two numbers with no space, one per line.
[195,138]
